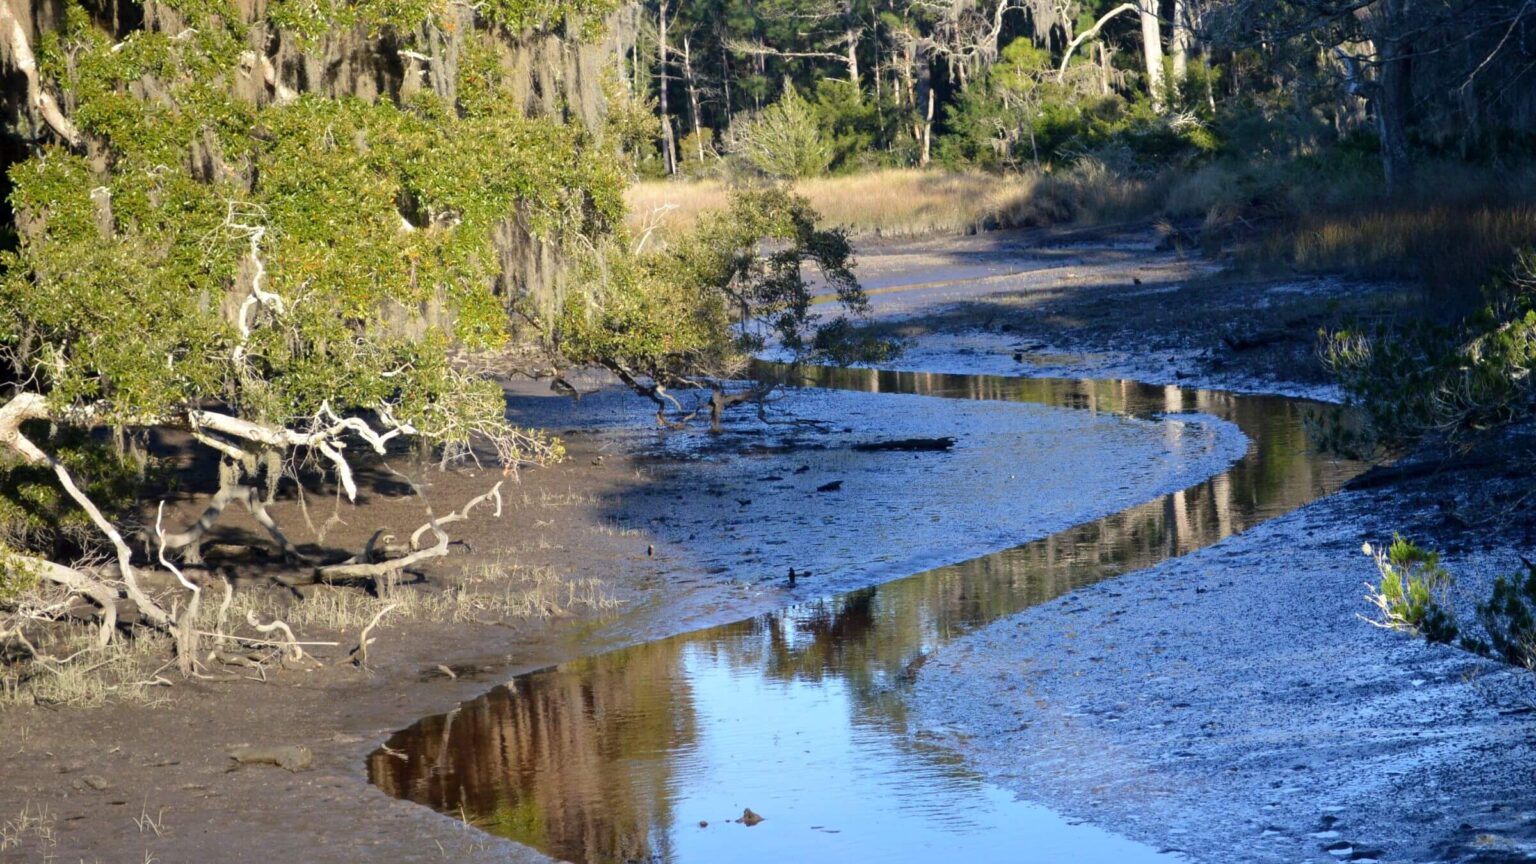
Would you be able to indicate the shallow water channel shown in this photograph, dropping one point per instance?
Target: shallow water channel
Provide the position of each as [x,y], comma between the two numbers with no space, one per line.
[648,753]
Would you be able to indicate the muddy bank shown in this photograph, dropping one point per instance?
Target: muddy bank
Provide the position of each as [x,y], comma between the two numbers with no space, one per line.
[1110,303]
[686,529]
[1231,704]
[661,525]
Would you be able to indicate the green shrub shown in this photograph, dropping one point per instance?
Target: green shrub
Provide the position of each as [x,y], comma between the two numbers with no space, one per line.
[17,574]
[36,517]
[1428,380]
[1411,595]
[1508,620]
[783,140]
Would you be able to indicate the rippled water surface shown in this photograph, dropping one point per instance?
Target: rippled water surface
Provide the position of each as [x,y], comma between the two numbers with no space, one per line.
[647,753]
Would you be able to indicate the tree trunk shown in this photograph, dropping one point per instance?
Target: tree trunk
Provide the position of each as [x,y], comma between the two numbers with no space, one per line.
[668,144]
[693,97]
[853,62]
[725,81]
[1180,43]
[1392,108]
[924,97]
[1152,53]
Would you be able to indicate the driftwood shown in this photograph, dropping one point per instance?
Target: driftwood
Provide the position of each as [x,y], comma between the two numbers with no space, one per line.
[361,567]
[292,758]
[907,445]
[1248,342]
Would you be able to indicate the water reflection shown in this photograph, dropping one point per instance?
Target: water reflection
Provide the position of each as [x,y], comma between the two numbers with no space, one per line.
[799,714]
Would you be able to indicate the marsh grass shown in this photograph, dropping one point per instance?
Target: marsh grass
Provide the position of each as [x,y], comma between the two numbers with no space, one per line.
[1450,249]
[1455,229]
[73,672]
[499,590]
[34,827]
[915,203]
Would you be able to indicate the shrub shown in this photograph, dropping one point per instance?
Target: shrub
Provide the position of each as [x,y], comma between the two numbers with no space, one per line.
[783,140]
[1411,595]
[1427,380]
[1508,620]
[18,574]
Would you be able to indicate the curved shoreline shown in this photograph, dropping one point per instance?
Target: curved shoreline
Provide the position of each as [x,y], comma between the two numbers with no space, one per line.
[443,767]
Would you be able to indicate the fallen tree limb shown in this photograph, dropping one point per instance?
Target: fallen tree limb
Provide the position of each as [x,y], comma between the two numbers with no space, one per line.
[248,496]
[84,585]
[461,515]
[32,406]
[360,653]
[359,567]
[288,641]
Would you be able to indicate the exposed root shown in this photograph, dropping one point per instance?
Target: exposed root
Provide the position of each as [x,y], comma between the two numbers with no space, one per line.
[461,515]
[359,567]
[248,496]
[360,653]
[289,641]
[185,625]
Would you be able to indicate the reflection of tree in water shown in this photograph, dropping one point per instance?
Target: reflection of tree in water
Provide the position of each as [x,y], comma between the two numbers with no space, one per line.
[572,761]
[577,761]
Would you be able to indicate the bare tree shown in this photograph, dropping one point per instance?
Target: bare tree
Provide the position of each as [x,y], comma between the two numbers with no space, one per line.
[668,139]
[1152,53]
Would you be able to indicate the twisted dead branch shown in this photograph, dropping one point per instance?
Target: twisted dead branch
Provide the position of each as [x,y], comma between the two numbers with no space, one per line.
[360,567]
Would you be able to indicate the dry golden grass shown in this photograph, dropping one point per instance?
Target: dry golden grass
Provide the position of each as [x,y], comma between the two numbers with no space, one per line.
[34,828]
[1451,249]
[126,671]
[497,590]
[912,202]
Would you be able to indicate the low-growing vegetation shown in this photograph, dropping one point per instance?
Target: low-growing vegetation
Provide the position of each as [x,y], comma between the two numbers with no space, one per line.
[1413,596]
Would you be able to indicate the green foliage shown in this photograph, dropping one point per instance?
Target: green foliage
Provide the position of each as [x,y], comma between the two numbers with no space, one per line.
[1411,595]
[18,574]
[631,128]
[1509,619]
[1021,112]
[36,515]
[1444,382]
[854,125]
[782,141]
[313,19]
[373,223]
[700,307]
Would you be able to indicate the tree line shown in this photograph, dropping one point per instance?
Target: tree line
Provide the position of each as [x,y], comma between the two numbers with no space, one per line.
[1003,82]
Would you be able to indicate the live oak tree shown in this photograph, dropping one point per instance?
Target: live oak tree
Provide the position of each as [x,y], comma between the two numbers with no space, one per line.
[692,314]
[280,276]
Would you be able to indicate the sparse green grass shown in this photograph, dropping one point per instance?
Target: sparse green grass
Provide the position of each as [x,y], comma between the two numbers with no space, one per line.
[495,591]
[33,829]
[79,675]
[131,670]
